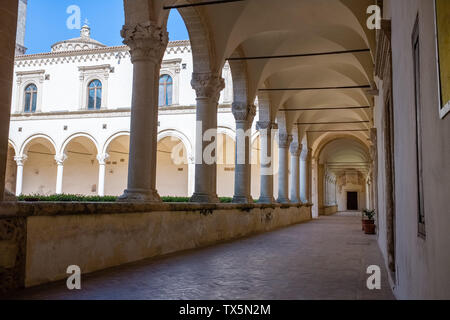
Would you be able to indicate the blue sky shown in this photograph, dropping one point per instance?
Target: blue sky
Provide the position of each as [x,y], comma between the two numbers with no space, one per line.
[46,22]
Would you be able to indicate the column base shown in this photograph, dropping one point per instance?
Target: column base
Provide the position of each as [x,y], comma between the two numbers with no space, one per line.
[204,198]
[243,199]
[296,200]
[139,195]
[9,196]
[283,200]
[266,200]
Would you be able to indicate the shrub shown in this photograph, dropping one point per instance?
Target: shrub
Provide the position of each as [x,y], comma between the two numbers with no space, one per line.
[81,198]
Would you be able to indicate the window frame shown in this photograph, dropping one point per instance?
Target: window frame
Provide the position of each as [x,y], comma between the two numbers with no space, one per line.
[166,101]
[96,88]
[33,98]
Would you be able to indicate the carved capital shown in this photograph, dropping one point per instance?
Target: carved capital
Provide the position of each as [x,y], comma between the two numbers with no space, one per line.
[265,125]
[60,158]
[284,140]
[295,149]
[102,158]
[304,154]
[243,111]
[207,85]
[21,160]
[147,41]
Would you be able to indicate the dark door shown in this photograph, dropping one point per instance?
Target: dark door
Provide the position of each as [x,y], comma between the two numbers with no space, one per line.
[352,200]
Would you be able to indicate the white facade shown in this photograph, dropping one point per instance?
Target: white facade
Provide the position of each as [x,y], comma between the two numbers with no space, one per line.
[63,128]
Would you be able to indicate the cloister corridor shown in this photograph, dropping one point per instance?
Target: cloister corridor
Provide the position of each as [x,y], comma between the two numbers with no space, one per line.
[326,258]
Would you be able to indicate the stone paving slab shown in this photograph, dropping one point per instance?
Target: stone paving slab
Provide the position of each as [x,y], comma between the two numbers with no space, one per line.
[323,259]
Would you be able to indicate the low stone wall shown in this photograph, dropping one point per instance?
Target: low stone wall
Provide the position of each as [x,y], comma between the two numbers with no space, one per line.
[328,210]
[99,236]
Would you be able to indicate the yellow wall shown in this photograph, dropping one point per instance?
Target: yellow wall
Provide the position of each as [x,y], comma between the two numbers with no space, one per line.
[443,23]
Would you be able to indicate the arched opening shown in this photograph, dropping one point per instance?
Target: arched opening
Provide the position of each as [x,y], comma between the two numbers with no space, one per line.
[11,170]
[343,169]
[80,167]
[225,165]
[116,172]
[172,168]
[39,173]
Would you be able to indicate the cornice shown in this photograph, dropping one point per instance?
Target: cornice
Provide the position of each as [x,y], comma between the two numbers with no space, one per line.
[174,47]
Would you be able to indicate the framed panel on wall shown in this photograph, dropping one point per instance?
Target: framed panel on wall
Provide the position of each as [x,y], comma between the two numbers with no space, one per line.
[442,8]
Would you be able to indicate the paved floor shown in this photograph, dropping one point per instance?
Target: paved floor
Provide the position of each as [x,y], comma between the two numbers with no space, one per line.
[323,259]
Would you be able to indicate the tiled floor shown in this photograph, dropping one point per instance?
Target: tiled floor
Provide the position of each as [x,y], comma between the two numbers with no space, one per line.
[323,259]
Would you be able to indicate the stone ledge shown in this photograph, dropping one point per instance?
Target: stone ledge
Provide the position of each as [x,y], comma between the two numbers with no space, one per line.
[28,209]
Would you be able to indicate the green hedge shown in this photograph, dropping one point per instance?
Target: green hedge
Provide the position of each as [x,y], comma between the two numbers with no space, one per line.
[80,198]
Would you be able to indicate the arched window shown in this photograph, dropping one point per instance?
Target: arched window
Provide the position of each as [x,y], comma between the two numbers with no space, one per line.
[95,95]
[165,90]
[30,98]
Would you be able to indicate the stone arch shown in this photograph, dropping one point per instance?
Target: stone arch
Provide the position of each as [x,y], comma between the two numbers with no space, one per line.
[39,172]
[26,143]
[117,147]
[180,136]
[81,166]
[173,156]
[78,135]
[112,138]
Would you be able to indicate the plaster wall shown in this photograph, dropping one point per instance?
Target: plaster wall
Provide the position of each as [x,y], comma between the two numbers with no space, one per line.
[99,241]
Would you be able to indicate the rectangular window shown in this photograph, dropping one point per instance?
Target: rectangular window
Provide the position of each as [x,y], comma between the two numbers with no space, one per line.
[418,115]
[443,53]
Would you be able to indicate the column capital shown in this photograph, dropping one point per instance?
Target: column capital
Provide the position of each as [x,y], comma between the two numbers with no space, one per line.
[304,154]
[207,85]
[102,158]
[295,149]
[284,140]
[243,111]
[20,160]
[147,41]
[60,158]
[264,125]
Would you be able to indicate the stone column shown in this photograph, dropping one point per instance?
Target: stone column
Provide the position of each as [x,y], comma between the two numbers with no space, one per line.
[19,180]
[310,166]
[60,172]
[147,44]
[265,129]
[101,173]
[207,87]
[295,150]
[244,115]
[304,176]
[191,175]
[8,28]
[283,171]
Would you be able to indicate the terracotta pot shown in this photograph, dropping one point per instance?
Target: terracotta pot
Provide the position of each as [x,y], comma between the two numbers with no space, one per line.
[369,228]
[366,221]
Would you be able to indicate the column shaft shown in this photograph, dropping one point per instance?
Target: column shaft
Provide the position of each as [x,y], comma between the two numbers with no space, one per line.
[60,172]
[295,172]
[244,115]
[19,177]
[101,173]
[207,87]
[283,171]
[147,43]
[8,28]
[266,135]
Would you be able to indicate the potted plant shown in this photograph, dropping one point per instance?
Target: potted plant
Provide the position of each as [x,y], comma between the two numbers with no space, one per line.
[369,223]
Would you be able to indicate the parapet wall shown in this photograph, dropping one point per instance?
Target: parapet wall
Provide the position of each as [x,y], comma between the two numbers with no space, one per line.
[99,236]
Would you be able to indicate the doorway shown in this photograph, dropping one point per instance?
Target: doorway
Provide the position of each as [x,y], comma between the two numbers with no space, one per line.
[352,201]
